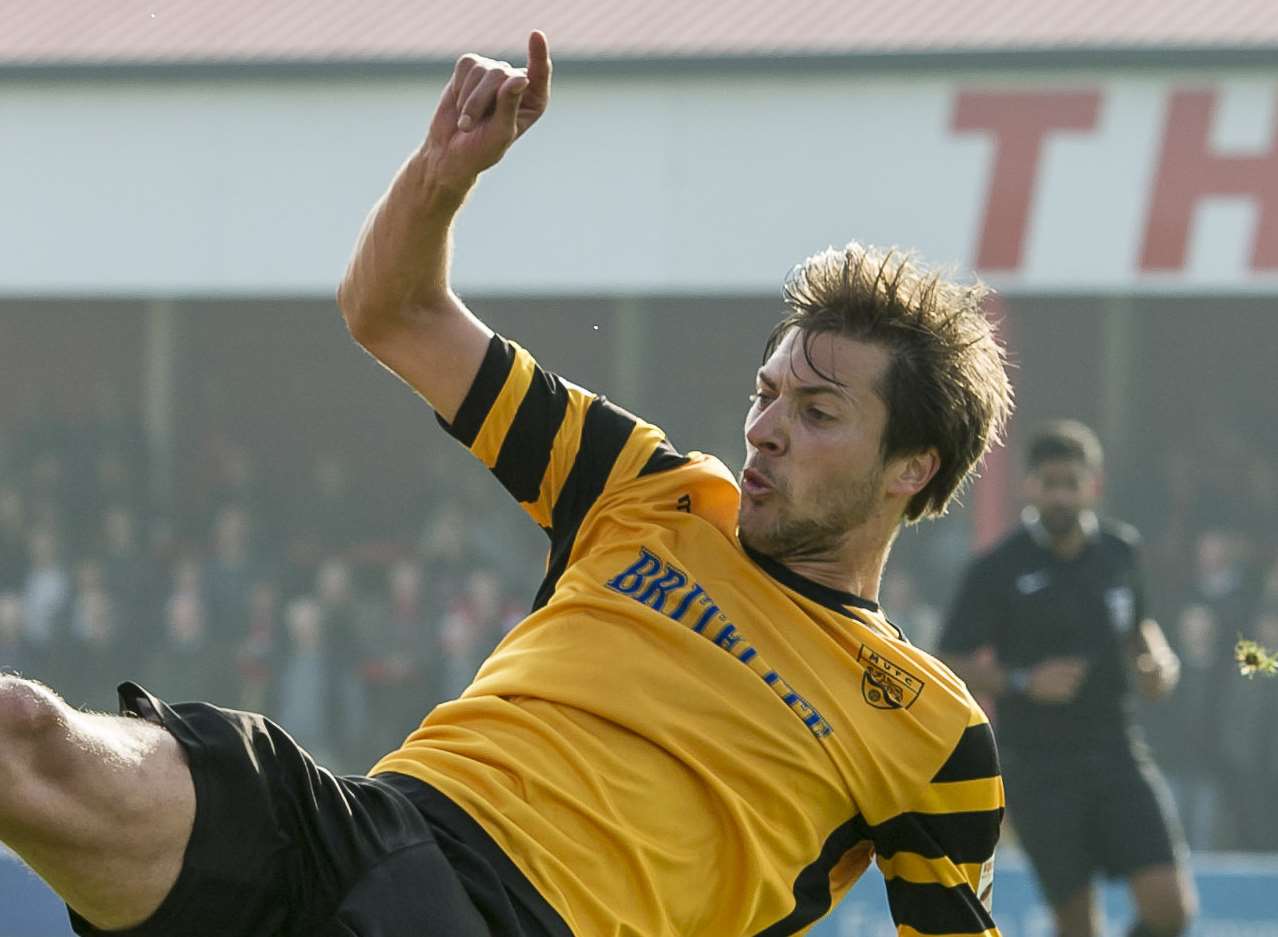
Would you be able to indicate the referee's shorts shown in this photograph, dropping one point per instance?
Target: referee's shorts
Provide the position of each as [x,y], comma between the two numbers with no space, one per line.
[1079,814]
[283,848]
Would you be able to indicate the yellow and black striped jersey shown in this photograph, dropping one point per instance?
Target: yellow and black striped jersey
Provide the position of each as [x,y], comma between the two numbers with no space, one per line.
[685,738]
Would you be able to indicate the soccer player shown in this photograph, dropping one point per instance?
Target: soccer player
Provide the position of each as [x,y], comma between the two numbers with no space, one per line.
[706,726]
[1052,623]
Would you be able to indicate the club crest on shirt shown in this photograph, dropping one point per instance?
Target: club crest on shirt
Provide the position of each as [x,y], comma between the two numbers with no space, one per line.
[886,685]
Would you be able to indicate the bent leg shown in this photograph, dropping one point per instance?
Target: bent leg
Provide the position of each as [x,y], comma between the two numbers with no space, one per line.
[1145,845]
[101,807]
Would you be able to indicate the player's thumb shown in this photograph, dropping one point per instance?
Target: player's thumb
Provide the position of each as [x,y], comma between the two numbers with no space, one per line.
[508,96]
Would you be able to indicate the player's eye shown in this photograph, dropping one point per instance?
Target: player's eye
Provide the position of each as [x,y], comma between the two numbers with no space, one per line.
[761,398]
[818,416]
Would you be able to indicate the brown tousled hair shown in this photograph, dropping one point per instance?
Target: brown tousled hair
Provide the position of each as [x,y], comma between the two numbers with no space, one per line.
[946,385]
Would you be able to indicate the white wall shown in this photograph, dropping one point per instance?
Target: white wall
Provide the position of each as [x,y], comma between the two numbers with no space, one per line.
[631,184]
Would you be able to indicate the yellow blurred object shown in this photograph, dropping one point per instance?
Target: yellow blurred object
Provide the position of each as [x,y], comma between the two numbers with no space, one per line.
[1254,658]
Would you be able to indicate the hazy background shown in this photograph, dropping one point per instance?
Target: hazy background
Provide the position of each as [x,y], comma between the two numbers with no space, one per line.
[206,486]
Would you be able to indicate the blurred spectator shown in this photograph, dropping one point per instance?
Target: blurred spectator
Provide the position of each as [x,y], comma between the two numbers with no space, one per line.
[178,666]
[94,639]
[907,609]
[7,452]
[446,553]
[116,481]
[1172,528]
[1249,743]
[933,557]
[45,599]
[234,481]
[346,699]
[79,452]
[1187,735]
[1267,603]
[505,541]
[476,621]
[1222,501]
[117,434]
[229,575]
[14,556]
[1260,480]
[1216,609]
[46,495]
[256,653]
[43,428]
[325,520]
[1222,582]
[397,659]
[127,577]
[305,680]
[11,632]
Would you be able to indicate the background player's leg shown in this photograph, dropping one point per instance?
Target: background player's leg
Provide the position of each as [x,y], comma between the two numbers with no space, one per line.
[1165,900]
[101,807]
[1142,842]
[1076,916]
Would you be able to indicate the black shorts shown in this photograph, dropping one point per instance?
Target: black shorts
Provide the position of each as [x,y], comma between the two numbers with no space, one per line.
[1083,814]
[283,848]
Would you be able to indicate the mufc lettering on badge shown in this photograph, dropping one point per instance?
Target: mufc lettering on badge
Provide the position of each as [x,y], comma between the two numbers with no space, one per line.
[886,685]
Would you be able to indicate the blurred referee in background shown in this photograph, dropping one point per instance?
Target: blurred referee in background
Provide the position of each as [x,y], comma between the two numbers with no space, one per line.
[1052,624]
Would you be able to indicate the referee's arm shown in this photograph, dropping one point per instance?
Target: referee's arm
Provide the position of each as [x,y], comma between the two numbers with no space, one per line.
[968,646]
[967,637]
[1154,663]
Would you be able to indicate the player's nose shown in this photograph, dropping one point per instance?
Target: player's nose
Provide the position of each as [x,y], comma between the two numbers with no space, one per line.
[765,430]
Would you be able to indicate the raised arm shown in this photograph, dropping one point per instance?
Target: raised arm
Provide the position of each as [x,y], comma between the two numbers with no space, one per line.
[395,297]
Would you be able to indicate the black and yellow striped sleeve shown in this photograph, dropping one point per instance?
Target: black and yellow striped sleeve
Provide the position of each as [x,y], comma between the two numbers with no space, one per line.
[553,445]
[937,857]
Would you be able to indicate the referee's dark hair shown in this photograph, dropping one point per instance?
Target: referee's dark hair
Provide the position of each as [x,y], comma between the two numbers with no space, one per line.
[1064,440]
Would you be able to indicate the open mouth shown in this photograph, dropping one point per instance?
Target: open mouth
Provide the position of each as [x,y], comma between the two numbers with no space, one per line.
[755,484]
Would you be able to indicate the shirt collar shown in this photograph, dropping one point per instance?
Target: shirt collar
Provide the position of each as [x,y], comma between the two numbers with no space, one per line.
[831,598]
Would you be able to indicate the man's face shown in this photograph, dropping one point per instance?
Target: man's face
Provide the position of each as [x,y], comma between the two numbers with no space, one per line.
[1061,490]
[813,468]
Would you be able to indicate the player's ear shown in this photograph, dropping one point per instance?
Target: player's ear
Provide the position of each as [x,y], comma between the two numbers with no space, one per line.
[909,474]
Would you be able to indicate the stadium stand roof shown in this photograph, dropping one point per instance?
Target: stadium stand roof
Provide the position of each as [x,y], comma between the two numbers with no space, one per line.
[72,33]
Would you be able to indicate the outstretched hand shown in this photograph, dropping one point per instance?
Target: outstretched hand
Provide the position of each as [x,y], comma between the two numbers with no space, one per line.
[486,106]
